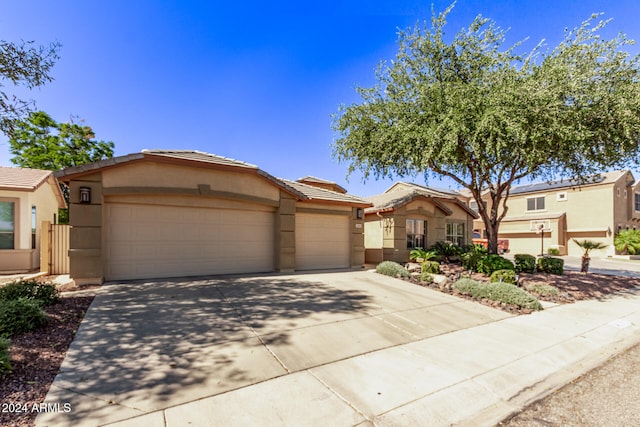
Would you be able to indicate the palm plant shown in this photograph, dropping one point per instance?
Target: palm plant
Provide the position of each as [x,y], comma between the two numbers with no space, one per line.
[419,254]
[587,245]
[627,242]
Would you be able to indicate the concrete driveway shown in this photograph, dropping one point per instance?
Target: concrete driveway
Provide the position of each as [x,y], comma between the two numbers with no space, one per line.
[152,345]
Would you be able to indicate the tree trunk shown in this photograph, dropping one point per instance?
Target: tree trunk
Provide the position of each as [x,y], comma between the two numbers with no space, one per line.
[585,264]
[492,238]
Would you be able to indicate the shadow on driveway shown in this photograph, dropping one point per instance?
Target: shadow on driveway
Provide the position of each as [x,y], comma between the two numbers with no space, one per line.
[144,345]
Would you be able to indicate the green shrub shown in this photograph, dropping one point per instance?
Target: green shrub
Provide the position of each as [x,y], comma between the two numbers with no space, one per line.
[5,357]
[627,241]
[502,292]
[45,293]
[525,263]
[431,267]
[543,290]
[446,249]
[553,251]
[419,253]
[391,268]
[426,277]
[20,315]
[505,276]
[491,263]
[472,257]
[551,265]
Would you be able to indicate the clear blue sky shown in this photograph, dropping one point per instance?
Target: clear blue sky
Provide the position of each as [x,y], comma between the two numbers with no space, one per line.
[251,80]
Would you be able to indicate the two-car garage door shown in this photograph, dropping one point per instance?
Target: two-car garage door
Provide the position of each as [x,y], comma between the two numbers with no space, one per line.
[144,241]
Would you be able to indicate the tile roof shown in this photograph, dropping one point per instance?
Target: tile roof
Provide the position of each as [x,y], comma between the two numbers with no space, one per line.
[199,156]
[22,178]
[311,192]
[398,198]
[313,179]
[429,190]
[602,178]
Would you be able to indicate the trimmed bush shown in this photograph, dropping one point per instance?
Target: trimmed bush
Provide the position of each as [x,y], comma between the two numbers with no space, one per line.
[553,251]
[426,277]
[551,265]
[502,292]
[525,263]
[491,263]
[543,290]
[45,293]
[20,315]
[393,269]
[5,357]
[431,267]
[505,276]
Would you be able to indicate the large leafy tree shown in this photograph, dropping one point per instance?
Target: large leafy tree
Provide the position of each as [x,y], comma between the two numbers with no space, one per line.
[487,116]
[40,142]
[22,64]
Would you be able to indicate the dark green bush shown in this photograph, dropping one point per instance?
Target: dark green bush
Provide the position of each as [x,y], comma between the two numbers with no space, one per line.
[551,265]
[491,263]
[472,257]
[426,277]
[502,292]
[505,276]
[20,315]
[5,357]
[446,249]
[391,268]
[45,293]
[432,267]
[525,263]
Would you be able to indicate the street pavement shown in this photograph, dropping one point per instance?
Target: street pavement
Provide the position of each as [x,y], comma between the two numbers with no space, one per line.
[341,349]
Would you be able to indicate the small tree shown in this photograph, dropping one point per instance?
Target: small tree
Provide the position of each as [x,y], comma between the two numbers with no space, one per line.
[627,242]
[587,245]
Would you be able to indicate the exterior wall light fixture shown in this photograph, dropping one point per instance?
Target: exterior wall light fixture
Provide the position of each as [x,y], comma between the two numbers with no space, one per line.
[85,195]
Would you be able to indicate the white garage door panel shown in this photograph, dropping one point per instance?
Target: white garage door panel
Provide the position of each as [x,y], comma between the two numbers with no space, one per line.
[322,241]
[144,241]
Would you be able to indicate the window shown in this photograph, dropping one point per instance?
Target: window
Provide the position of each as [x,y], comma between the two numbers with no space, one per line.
[455,233]
[416,233]
[561,197]
[34,222]
[636,199]
[535,203]
[473,205]
[7,225]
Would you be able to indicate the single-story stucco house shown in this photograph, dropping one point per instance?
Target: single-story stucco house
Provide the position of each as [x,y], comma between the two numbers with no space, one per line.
[27,197]
[409,216]
[172,213]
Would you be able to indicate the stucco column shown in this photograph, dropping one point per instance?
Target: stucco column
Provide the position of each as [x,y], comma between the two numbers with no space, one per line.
[85,239]
[286,234]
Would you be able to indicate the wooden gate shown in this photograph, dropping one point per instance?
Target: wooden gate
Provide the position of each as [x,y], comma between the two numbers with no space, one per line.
[54,248]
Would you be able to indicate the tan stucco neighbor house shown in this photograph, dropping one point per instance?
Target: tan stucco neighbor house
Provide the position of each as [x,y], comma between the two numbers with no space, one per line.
[173,213]
[27,197]
[408,215]
[596,210]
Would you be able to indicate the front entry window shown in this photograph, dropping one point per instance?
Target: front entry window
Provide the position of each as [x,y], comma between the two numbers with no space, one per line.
[7,225]
[455,233]
[416,233]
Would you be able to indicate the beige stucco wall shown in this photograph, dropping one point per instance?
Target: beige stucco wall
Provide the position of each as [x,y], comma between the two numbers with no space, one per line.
[160,175]
[386,236]
[24,257]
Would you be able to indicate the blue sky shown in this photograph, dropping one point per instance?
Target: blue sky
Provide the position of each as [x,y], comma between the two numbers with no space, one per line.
[255,81]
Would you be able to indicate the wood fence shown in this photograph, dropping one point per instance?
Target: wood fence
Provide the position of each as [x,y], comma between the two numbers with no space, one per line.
[54,248]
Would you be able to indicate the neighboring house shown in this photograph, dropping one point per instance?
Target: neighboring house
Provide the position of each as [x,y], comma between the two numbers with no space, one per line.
[596,210]
[408,216]
[27,197]
[164,213]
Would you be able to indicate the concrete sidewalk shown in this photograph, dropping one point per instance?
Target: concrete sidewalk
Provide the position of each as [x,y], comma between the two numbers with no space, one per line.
[475,376]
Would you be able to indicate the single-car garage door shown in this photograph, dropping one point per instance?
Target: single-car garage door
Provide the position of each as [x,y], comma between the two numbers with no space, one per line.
[146,241]
[322,241]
